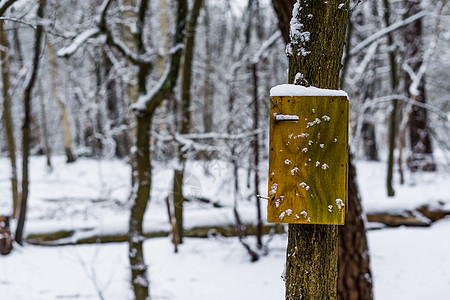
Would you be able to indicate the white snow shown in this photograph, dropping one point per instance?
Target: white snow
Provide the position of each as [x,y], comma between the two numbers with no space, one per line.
[78,42]
[90,195]
[286,117]
[299,90]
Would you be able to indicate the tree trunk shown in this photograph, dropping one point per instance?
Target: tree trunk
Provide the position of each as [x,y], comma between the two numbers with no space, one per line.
[393,116]
[144,116]
[259,223]
[26,124]
[186,122]
[355,278]
[7,120]
[419,132]
[369,141]
[139,276]
[300,281]
[64,116]
[47,148]
[208,89]
[118,120]
[312,250]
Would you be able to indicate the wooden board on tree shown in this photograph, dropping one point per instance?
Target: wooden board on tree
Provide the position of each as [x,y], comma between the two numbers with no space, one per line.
[308,155]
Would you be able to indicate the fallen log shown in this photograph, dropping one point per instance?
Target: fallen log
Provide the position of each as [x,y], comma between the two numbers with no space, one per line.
[396,220]
[421,217]
[434,213]
[62,238]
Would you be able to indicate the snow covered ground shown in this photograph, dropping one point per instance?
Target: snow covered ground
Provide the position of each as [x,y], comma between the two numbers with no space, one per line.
[407,263]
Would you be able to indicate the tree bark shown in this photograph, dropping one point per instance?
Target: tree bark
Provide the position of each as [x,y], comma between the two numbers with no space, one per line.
[330,23]
[259,223]
[355,278]
[26,124]
[312,250]
[419,132]
[186,122]
[393,116]
[208,89]
[7,120]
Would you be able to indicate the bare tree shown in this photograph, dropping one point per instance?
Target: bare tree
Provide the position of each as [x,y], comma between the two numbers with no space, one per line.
[7,118]
[26,123]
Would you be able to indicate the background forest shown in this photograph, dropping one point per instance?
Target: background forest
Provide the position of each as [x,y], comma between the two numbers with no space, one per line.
[134,141]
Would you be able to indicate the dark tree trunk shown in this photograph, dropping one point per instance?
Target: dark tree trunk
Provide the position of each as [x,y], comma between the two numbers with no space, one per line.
[186,122]
[355,278]
[208,88]
[393,115]
[259,223]
[8,120]
[304,271]
[420,142]
[312,250]
[26,125]
[369,141]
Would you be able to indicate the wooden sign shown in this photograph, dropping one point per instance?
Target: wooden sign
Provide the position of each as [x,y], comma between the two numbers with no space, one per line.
[308,155]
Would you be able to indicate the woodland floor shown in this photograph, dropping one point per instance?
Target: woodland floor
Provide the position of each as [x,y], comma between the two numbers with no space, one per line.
[90,196]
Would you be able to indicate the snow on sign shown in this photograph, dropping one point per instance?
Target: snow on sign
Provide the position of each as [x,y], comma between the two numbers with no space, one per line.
[308,155]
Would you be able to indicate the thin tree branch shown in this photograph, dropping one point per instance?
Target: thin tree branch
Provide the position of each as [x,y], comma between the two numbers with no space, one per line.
[385,31]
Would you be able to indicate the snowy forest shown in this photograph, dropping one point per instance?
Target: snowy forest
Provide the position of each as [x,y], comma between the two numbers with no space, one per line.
[134,149]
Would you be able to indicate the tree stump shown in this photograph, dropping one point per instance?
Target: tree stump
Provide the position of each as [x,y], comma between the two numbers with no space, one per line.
[5,236]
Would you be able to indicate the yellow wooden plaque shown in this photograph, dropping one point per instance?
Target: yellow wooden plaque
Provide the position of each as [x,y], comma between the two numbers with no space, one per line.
[308,159]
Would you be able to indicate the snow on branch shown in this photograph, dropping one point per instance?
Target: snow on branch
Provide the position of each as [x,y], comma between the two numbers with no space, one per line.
[257,57]
[78,42]
[266,44]
[223,136]
[150,101]
[144,100]
[416,77]
[187,140]
[385,31]
[187,144]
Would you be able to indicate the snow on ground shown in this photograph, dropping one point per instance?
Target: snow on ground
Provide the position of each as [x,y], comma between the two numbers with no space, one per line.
[407,263]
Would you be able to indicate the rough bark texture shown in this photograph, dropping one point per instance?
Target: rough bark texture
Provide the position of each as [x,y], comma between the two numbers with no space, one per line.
[312,250]
[299,283]
[283,9]
[419,133]
[26,124]
[7,119]
[355,279]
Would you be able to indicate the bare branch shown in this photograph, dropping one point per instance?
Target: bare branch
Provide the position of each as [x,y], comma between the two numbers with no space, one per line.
[78,42]
[385,31]
[5,6]
[150,101]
